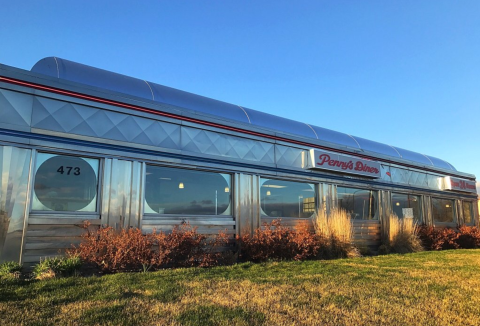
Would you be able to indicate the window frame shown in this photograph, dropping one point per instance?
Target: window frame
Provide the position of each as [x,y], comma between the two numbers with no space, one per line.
[153,216]
[72,214]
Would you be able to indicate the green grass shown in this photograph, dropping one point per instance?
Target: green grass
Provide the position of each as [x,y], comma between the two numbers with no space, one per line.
[428,288]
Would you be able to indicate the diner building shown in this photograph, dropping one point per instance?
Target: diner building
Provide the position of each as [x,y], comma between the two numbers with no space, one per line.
[80,143]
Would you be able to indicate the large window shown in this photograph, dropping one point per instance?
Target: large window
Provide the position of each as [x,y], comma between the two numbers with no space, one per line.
[361,204]
[279,198]
[467,207]
[406,206]
[190,192]
[443,210]
[65,183]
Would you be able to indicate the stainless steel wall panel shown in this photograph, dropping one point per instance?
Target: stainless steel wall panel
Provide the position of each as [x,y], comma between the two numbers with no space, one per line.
[15,166]
[122,193]
[247,199]
[212,143]
[15,110]
[290,156]
[83,120]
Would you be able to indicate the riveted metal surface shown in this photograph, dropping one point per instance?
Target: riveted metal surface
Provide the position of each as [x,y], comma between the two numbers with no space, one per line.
[207,142]
[83,120]
[15,109]
[14,180]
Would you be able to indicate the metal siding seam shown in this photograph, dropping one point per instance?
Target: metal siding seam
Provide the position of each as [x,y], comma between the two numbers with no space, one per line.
[312,130]
[355,141]
[245,114]
[58,70]
[153,96]
[429,159]
[396,151]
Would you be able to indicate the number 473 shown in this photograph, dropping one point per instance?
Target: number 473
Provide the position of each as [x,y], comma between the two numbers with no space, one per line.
[68,170]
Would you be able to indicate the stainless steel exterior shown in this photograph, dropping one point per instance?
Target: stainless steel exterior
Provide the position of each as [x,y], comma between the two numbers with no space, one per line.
[184,101]
[124,142]
[247,203]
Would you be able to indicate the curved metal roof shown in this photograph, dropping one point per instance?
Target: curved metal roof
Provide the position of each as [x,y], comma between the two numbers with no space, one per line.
[80,73]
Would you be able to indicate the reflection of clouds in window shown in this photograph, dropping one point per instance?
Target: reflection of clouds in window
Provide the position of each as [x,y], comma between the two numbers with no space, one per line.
[65,183]
[189,192]
[279,198]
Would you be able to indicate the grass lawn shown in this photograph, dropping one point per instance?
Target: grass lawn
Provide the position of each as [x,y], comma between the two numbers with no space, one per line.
[429,288]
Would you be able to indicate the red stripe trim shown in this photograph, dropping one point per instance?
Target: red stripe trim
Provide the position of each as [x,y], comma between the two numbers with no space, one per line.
[202,122]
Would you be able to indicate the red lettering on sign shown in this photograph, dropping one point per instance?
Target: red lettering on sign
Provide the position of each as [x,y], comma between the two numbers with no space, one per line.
[346,165]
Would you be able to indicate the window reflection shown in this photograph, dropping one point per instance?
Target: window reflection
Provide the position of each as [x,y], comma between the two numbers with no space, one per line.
[360,203]
[281,198]
[443,210]
[65,183]
[179,191]
[467,212]
[406,206]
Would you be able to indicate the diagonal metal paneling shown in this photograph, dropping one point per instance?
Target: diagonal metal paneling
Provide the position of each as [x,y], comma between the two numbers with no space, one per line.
[82,120]
[15,108]
[212,143]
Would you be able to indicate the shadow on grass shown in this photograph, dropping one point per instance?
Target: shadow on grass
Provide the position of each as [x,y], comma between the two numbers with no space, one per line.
[217,315]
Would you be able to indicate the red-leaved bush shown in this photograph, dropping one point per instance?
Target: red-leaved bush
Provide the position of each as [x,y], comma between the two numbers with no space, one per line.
[277,242]
[468,237]
[438,238]
[113,250]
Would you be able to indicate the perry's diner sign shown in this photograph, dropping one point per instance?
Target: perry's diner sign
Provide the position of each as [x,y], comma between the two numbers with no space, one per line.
[459,185]
[341,163]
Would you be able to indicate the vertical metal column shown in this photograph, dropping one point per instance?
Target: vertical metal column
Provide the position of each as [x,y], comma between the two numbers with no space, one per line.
[247,203]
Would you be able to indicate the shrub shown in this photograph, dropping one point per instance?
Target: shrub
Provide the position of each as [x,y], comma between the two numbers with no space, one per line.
[56,266]
[111,250]
[468,237]
[403,235]
[10,270]
[438,239]
[278,242]
[185,247]
[337,231]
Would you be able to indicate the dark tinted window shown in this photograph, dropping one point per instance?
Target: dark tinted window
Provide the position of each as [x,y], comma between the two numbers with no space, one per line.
[467,212]
[443,210]
[179,191]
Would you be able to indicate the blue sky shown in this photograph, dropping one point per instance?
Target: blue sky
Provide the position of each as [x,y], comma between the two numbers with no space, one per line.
[405,73]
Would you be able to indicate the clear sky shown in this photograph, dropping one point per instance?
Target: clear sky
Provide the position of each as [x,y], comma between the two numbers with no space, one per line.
[405,73]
